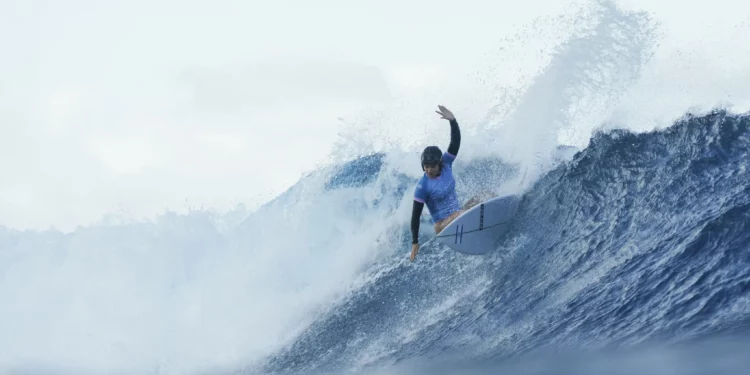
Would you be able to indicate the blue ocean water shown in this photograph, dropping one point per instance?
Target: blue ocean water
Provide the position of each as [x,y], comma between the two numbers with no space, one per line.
[630,258]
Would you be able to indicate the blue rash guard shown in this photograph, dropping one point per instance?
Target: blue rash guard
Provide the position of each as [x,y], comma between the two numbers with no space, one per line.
[439,194]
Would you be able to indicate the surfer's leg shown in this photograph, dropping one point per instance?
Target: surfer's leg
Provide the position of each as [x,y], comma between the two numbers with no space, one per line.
[440,225]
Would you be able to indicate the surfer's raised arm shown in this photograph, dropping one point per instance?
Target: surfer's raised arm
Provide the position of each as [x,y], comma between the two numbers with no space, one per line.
[455,130]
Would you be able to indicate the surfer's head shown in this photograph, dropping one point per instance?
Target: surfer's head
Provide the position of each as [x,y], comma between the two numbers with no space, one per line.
[431,158]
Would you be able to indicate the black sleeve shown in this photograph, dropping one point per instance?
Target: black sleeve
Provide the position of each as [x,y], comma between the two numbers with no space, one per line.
[416,212]
[455,138]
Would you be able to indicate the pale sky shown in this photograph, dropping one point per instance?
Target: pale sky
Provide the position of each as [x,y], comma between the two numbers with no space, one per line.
[146,105]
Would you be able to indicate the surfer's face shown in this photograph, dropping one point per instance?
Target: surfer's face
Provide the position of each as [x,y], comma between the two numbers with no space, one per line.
[432,170]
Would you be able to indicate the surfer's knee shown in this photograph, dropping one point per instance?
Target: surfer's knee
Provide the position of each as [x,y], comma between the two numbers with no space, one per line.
[440,225]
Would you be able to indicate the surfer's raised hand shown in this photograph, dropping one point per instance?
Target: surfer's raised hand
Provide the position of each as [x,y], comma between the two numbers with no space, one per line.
[445,113]
[414,250]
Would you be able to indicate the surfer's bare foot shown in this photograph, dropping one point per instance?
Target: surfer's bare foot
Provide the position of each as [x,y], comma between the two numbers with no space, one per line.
[481,197]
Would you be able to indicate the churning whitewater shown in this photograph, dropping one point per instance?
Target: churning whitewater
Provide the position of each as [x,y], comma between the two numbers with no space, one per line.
[630,252]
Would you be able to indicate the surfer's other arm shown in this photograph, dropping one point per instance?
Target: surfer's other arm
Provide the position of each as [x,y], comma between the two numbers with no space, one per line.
[416,212]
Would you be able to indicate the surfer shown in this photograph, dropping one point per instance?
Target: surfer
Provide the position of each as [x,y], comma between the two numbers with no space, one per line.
[437,188]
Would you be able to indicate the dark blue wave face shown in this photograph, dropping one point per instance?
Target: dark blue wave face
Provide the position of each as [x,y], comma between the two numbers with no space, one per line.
[640,239]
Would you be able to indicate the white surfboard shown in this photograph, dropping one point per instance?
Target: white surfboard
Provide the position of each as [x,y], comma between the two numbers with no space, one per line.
[477,230]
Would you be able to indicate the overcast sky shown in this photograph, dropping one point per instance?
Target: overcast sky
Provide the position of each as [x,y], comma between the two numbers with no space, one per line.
[139,105]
